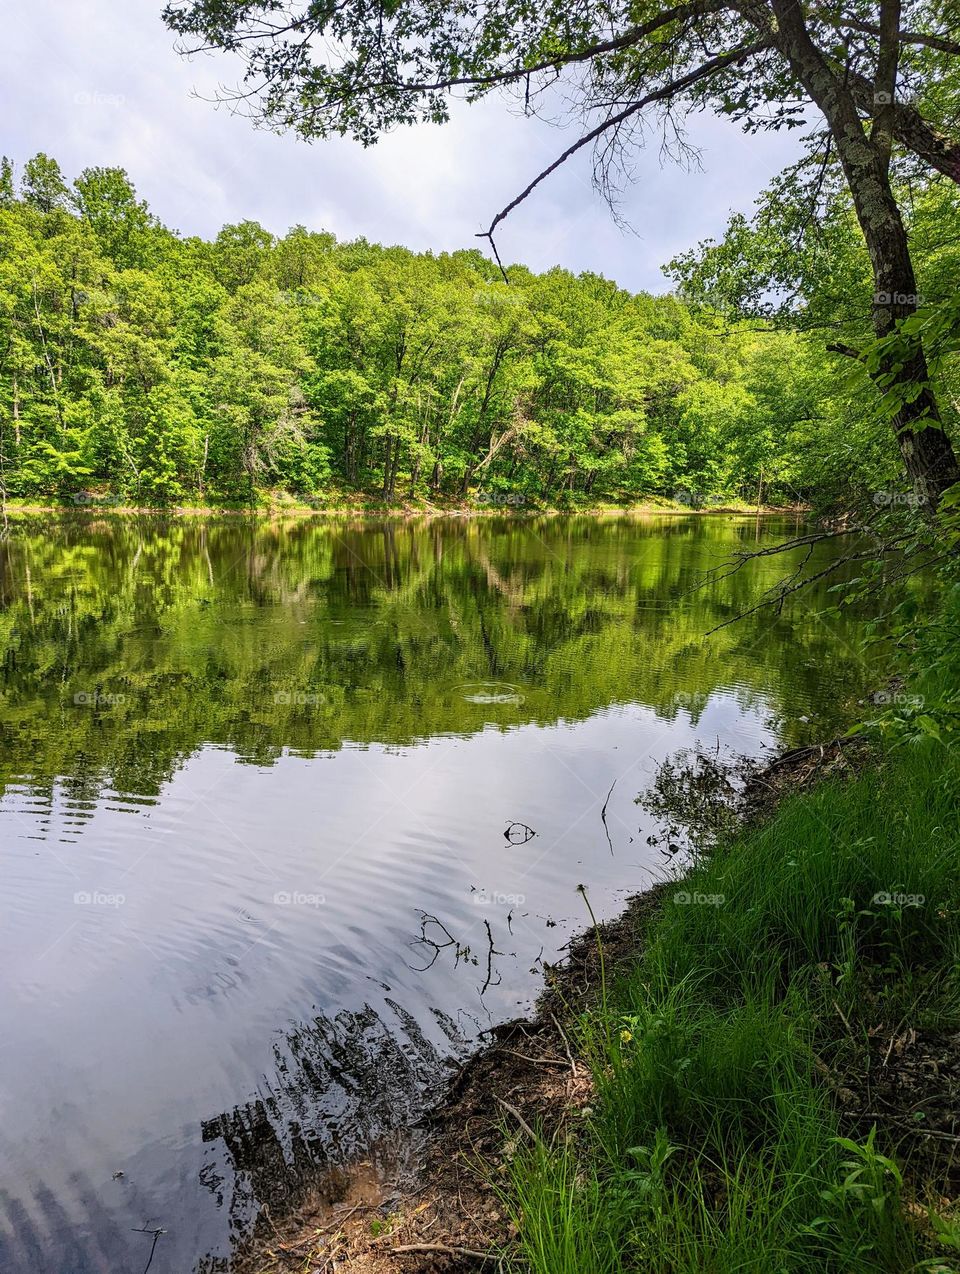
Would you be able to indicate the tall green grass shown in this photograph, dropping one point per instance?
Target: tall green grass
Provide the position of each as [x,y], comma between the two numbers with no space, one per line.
[714,1143]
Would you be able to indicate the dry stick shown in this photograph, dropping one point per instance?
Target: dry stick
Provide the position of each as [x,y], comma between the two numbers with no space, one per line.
[914,1128]
[442,1247]
[566,1045]
[843,1018]
[518,1117]
[886,1056]
[538,1061]
[582,889]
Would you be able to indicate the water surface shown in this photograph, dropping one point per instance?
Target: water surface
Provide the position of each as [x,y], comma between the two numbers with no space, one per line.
[246,765]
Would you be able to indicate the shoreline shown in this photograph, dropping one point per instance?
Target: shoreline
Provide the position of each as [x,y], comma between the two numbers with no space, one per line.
[405,511]
[432,1211]
[443,1209]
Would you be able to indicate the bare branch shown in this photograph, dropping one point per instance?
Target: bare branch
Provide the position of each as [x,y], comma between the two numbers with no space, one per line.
[838,347]
[665,93]
[938,42]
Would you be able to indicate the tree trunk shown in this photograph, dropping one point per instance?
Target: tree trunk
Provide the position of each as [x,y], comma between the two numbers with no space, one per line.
[386,466]
[349,449]
[927,453]
[16,411]
[466,480]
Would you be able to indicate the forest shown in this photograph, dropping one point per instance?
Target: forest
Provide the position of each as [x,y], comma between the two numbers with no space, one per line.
[300,812]
[139,367]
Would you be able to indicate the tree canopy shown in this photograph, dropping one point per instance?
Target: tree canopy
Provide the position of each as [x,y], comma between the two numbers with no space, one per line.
[138,367]
[879,77]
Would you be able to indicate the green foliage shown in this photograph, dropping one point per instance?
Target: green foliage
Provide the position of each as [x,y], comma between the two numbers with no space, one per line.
[799,265]
[43,186]
[153,369]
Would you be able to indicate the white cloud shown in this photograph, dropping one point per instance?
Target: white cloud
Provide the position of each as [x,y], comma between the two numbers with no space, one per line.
[96,82]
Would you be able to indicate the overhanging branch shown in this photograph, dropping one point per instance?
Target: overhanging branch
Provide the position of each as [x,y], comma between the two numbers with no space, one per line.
[664,93]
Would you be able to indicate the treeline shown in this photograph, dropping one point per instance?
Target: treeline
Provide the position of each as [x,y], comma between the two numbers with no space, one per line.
[147,368]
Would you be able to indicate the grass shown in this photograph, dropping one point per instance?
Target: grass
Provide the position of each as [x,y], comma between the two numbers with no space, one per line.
[715,1142]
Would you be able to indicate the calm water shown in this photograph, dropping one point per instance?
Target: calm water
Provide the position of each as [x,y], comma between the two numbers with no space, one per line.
[243,766]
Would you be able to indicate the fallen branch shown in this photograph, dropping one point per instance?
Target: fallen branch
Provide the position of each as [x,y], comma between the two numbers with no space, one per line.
[537,1061]
[518,1117]
[448,1251]
[566,1045]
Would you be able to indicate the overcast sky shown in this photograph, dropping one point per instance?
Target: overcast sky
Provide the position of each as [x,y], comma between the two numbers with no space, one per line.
[98,82]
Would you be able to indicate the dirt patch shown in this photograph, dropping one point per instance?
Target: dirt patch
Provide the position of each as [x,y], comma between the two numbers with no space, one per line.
[799,769]
[911,1090]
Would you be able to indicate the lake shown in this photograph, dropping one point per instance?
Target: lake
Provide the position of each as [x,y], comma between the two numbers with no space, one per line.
[293,810]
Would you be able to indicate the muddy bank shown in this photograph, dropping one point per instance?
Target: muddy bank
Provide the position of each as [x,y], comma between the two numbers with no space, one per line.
[439,1211]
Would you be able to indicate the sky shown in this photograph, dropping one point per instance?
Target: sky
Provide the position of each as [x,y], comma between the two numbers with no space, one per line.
[99,82]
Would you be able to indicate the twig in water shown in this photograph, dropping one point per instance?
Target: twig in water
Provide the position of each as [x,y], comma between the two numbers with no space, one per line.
[603,814]
[142,1229]
[424,941]
[491,952]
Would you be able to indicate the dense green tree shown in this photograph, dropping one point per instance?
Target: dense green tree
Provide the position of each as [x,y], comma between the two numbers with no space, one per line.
[800,266]
[8,193]
[138,367]
[42,185]
[106,199]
